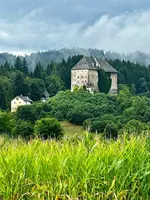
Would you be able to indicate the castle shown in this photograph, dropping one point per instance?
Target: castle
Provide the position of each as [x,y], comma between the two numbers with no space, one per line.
[85,73]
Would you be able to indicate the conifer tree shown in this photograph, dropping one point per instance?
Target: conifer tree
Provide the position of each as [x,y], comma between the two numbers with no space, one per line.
[18,64]
[38,72]
[25,67]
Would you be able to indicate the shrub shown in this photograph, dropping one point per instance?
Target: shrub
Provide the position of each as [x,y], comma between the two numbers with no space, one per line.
[98,124]
[135,126]
[77,116]
[43,109]
[111,130]
[23,129]
[6,123]
[27,113]
[48,127]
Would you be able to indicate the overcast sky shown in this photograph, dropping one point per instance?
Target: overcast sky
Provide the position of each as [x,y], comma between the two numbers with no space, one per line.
[36,25]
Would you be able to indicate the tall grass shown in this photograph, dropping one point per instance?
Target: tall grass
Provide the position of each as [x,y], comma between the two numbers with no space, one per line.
[75,168]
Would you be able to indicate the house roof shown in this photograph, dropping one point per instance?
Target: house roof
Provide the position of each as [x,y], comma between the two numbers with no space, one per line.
[25,98]
[93,63]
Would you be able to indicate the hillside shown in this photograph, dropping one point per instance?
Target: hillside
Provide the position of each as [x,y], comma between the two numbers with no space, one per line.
[57,55]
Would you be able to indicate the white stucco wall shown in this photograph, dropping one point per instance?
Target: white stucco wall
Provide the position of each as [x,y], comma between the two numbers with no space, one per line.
[17,102]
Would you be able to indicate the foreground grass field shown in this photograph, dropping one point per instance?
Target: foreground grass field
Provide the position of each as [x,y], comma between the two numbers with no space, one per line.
[75,168]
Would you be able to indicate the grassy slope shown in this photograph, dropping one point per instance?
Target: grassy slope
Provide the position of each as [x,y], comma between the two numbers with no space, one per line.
[72,129]
[79,168]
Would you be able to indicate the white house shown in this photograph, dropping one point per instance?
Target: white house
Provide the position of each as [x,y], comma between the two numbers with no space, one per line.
[20,101]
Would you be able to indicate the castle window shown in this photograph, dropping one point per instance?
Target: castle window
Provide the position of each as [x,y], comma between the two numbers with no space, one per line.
[82,76]
[78,77]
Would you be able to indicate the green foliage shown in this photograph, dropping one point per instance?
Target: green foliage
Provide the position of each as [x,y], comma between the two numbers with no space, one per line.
[6,93]
[43,109]
[37,89]
[48,128]
[64,69]
[6,123]
[76,88]
[111,130]
[77,116]
[96,111]
[131,73]
[27,113]
[104,81]
[39,71]
[54,84]
[18,83]
[23,129]
[18,64]
[135,127]
[98,125]
[25,67]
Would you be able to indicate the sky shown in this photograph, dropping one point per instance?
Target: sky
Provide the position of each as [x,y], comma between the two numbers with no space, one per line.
[38,25]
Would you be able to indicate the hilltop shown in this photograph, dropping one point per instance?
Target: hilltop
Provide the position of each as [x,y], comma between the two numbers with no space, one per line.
[57,55]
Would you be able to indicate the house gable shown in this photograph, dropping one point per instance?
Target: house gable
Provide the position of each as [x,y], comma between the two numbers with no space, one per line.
[20,101]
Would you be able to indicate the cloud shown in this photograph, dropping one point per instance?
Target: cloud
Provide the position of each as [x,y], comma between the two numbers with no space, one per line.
[126,32]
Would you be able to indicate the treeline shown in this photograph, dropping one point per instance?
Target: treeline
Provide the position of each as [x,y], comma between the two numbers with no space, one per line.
[16,80]
[136,76]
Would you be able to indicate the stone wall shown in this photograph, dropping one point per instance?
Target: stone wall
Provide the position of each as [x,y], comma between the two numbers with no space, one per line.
[79,78]
[82,77]
[114,84]
[93,78]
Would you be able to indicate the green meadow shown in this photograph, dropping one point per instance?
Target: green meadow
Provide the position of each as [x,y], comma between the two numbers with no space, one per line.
[75,168]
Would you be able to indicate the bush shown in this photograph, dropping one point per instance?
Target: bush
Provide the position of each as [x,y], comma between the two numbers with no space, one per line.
[43,109]
[135,126]
[98,124]
[6,123]
[23,129]
[77,116]
[48,127]
[111,131]
[27,113]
